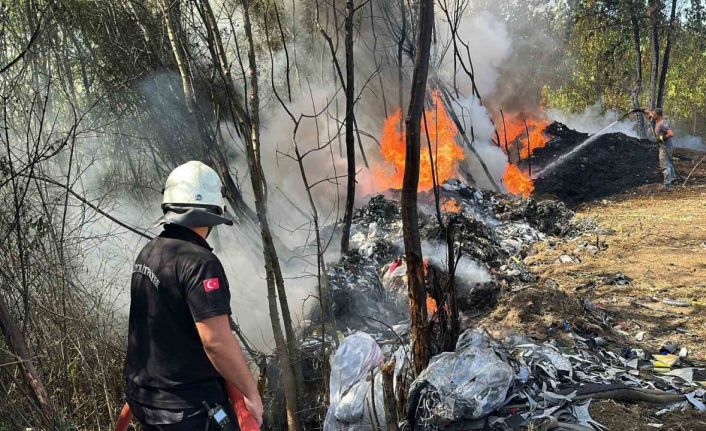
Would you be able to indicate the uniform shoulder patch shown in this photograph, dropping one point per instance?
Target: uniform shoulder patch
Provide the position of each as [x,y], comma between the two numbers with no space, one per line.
[211,284]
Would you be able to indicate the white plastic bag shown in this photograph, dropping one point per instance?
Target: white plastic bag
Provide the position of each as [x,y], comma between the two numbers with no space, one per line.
[350,383]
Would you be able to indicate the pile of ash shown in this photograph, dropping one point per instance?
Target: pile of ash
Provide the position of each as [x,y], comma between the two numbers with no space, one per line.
[613,164]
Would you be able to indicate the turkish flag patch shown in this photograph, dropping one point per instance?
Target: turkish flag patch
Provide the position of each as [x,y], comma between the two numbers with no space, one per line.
[211,284]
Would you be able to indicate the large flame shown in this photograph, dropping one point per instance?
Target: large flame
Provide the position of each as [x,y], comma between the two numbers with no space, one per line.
[517,182]
[517,134]
[445,152]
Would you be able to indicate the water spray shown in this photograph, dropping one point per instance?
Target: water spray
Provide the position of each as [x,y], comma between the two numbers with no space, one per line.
[553,165]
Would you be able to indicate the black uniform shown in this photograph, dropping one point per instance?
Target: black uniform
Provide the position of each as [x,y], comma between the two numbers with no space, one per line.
[176,281]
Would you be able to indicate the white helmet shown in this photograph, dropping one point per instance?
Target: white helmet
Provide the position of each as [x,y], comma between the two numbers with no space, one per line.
[193,184]
[193,196]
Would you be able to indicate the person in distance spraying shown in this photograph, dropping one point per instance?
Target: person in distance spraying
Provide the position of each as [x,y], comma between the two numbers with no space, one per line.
[183,362]
[664,134]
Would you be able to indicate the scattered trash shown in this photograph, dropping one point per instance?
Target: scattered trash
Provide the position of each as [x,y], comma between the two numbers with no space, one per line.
[692,397]
[552,384]
[566,326]
[665,361]
[668,348]
[676,303]
[619,280]
[682,405]
[515,383]
[564,259]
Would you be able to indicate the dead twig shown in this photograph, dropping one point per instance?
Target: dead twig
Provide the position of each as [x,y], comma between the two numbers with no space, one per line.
[691,173]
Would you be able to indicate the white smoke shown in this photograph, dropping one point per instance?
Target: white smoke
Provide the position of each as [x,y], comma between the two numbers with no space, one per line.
[489,45]
[468,270]
[690,142]
[594,119]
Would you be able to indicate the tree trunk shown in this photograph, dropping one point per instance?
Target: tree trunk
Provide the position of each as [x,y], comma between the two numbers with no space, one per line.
[388,390]
[172,24]
[665,57]
[454,328]
[654,69]
[350,138]
[410,182]
[637,89]
[15,342]
[400,48]
[286,349]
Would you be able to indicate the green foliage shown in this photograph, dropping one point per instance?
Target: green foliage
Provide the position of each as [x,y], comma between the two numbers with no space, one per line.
[601,52]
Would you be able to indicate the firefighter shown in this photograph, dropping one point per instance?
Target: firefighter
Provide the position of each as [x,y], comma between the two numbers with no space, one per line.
[663,133]
[182,358]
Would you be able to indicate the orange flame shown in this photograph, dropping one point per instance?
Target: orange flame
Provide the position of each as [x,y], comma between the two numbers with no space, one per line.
[517,134]
[517,182]
[451,206]
[446,154]
[431,305]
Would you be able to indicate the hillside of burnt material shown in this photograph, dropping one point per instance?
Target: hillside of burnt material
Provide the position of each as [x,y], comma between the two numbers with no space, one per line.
[613,164]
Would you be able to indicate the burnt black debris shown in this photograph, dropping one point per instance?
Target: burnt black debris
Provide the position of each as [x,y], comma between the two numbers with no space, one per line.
[492,234]
[548,216]
[475,238]
[613,164]
[359,300]
[378,210]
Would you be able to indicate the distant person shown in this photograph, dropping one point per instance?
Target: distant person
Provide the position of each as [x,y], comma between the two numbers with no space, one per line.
[183,361]
[663,133]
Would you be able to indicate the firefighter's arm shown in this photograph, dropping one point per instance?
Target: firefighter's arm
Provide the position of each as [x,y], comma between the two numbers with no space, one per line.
[226,356]
[669,134]
[124,418]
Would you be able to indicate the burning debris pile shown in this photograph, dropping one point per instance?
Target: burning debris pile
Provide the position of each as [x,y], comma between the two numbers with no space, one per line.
[493,233]
[517,383]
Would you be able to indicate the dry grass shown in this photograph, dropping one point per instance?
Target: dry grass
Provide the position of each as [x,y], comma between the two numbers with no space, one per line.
[659,240]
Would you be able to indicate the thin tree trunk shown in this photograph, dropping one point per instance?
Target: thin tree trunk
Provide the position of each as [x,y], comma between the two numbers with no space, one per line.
[654,69]
[15,342]
[410,182]
[400,47]
[665,57]
[388,390]
[172,24]
[350,137]
[454,328]
[286,349]
[637,89]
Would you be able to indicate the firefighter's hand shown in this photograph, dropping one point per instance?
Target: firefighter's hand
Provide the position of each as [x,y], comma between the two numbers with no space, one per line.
[254,406]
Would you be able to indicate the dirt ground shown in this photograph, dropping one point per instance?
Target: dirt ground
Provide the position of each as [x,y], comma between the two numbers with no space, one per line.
[650,248]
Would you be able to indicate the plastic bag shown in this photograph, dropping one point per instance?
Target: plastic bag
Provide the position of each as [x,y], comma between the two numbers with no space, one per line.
[362,405]
[353,360]
[349,387]
[463,385]
[472,337]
